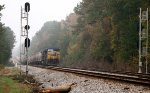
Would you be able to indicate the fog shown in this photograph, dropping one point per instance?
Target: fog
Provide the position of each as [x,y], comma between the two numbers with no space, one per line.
[41,11]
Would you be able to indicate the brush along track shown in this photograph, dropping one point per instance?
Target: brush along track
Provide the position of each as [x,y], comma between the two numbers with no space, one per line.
[133,78]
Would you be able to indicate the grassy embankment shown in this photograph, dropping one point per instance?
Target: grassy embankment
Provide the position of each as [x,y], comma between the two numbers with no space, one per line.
[8,84]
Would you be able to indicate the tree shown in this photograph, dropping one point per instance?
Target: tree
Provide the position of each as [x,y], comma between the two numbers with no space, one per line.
[47,37]
[7,40]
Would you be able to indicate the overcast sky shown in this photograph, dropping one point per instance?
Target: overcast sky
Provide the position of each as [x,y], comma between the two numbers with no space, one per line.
[40,12]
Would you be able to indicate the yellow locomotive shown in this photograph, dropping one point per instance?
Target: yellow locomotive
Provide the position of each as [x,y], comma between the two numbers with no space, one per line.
[50,56]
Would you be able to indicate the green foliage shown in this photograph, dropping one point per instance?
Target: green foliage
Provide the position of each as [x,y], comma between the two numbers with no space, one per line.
[124,34]
[64,44]
[47,37]
[105,29]
[120,40]
[8,85]
[75,56]
[2,66]
[7,40]
[102,48]
[85,41]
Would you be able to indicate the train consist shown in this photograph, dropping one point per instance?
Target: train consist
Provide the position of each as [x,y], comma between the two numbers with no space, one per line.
[50,56]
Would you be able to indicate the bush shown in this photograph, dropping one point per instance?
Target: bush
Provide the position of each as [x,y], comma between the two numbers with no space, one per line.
[2,66]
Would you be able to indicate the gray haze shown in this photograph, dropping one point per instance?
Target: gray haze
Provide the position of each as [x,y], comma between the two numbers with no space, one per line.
[40,12]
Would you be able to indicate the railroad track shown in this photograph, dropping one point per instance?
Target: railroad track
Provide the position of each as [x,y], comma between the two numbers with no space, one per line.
[134,78]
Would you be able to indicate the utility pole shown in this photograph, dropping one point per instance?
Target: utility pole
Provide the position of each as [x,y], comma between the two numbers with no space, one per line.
[143,39]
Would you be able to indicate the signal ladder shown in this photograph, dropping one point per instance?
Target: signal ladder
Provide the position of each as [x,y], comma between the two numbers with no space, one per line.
[143,39]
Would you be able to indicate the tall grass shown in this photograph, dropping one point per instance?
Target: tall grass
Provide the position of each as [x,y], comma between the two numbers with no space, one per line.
[8,85]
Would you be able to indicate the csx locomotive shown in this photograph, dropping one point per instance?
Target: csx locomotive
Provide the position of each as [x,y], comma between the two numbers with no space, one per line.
[50,56]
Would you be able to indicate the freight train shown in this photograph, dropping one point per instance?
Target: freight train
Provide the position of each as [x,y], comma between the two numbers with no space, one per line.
[50,56]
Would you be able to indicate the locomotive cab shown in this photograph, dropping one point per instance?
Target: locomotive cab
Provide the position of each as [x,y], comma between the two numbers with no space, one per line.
[51,56]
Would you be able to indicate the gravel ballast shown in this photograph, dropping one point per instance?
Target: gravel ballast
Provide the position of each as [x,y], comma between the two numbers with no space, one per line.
[81,84]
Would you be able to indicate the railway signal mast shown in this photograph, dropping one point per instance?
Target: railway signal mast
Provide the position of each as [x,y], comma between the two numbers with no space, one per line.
[143,39]
[24,31]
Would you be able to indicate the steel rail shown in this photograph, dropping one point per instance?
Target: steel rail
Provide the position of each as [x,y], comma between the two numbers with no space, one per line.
[133,78]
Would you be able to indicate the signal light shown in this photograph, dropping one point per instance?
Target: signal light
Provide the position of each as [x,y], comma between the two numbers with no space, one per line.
[27,27]
[27,7]
[27,42]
